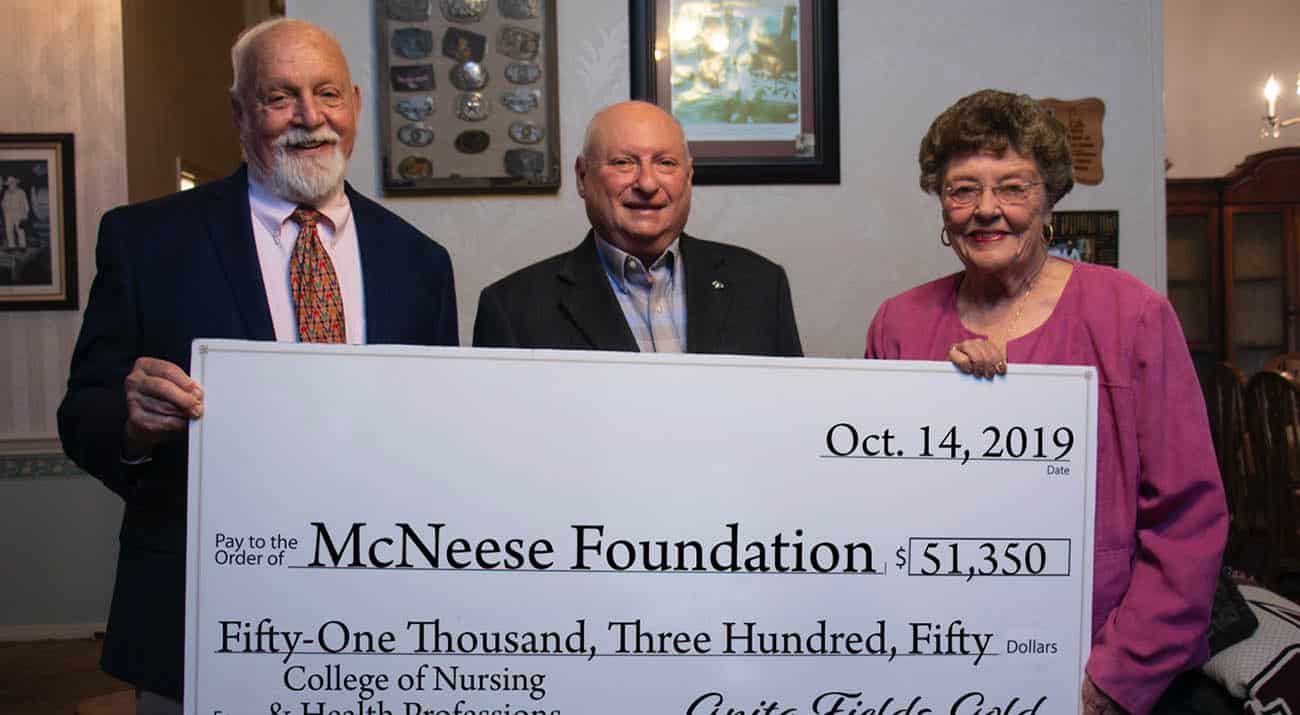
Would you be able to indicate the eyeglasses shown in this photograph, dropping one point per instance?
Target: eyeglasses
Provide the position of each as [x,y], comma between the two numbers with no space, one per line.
[1010,193]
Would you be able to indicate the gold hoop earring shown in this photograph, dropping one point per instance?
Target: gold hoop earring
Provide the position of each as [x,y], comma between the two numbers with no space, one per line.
[1048,233]
[944,238]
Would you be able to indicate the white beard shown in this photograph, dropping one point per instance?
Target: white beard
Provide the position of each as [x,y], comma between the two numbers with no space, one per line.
[302,180]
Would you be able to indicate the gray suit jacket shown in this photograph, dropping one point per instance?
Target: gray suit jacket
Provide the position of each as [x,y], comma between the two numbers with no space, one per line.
[737,303]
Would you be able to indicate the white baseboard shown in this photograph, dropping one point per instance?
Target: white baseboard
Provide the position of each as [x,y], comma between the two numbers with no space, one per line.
[49,632]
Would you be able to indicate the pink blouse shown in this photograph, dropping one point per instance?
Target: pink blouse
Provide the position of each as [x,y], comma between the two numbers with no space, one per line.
[1161,519]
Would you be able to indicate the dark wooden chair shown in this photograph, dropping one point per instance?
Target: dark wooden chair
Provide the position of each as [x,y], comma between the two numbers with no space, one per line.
[1273,401]
[1233,446]
[1287,363]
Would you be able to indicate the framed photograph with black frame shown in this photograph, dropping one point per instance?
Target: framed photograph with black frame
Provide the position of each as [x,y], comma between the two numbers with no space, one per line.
[1088,236]
[38,254]
[755,84]
[468,98]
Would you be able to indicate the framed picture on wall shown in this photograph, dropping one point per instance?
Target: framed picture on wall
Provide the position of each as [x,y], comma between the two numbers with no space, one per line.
[754,84]
[1088,236]
[38,254]
[468,98]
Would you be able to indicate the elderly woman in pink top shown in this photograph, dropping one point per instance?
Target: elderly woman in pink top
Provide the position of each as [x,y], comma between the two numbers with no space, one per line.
[999,163]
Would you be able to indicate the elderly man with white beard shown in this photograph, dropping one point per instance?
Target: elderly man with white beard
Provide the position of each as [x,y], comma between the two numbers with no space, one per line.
[282,250]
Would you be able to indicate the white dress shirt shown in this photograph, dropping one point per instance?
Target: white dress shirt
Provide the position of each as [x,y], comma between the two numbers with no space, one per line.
[275,232]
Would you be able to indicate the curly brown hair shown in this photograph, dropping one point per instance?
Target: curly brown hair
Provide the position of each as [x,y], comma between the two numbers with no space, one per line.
[990,120]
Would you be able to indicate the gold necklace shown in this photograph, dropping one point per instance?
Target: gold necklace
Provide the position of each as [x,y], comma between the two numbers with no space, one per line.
[1020,302]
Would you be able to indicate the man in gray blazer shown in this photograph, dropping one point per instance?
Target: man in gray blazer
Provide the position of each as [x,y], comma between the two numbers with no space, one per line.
[637,282]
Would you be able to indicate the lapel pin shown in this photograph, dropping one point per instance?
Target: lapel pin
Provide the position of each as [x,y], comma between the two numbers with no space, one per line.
[719,285]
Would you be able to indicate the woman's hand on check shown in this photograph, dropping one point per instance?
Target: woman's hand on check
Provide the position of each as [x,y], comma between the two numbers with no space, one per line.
[979,357]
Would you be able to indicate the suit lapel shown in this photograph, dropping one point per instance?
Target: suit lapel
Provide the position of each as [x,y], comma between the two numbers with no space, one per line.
[230,229]
[586,299]
[708,296]
[382,303]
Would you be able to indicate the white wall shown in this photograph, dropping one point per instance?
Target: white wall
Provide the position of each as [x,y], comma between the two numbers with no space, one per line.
[846,247]
[49,83]
[1217,57]
[60,537]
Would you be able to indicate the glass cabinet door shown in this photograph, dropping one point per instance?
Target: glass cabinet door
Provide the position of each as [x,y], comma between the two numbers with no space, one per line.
[1191,270]
[1257,294]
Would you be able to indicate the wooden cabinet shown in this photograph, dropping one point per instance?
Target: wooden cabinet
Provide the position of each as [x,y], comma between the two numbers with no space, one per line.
[1194,266]
[1233,261]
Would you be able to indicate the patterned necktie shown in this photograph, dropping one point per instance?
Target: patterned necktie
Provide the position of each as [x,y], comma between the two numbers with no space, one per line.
[316,297]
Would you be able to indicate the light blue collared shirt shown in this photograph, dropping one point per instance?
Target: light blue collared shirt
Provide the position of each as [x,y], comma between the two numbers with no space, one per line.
[653,300]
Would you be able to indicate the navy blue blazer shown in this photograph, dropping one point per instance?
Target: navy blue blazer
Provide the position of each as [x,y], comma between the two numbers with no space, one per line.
[170,271]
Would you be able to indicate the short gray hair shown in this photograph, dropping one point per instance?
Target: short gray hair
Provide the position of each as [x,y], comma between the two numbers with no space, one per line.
[239,50]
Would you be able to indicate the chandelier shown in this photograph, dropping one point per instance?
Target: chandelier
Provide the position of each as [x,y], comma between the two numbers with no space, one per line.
[1272,125]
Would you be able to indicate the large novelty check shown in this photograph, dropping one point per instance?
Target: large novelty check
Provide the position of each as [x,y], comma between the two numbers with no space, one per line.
[440,531]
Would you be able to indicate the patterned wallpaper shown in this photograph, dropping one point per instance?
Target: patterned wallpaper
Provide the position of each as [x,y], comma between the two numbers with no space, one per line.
[63,73]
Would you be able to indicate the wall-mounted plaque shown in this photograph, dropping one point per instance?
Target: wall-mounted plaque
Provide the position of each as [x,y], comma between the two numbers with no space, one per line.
[469,97]
[1083,120]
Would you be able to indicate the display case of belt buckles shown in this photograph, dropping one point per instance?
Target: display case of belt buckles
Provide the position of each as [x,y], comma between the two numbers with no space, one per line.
[468,95]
